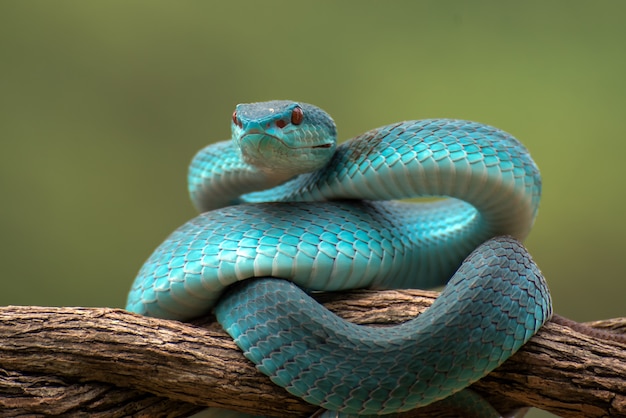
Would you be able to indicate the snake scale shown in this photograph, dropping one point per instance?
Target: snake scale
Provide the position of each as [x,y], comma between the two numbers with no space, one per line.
[283,204]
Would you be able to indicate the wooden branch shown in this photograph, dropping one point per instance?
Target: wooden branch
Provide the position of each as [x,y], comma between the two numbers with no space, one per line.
[107,362]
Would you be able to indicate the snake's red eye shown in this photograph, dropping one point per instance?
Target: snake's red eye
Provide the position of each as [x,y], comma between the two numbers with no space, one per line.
[297,116]
[236,119]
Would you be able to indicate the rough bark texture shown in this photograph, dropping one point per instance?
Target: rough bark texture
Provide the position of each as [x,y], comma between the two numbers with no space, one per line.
[107,362]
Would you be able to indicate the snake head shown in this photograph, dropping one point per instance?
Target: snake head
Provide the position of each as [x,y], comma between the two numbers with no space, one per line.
[283,138]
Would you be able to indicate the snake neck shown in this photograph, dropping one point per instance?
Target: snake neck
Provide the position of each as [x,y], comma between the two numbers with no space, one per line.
[218,177]
[484,167]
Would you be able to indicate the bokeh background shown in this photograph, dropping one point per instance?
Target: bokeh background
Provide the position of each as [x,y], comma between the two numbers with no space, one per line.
[102,105]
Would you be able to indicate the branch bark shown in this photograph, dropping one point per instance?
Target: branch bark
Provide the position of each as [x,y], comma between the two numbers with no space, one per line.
[108,362]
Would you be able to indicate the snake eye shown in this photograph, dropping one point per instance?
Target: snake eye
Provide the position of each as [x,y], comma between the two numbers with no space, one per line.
[297,115]
[236,120]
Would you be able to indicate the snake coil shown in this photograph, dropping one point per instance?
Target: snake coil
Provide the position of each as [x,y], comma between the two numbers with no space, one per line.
[284,205]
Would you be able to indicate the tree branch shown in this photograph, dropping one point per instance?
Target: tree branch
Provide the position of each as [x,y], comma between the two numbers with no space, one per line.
[108,362]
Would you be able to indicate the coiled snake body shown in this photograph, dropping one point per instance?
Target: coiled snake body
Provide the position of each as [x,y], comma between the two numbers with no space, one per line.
[281,202]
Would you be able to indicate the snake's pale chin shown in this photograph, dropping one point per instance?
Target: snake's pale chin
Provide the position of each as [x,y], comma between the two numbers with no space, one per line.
[272,156]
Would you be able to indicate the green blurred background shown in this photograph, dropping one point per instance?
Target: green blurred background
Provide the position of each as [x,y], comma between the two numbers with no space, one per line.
[102,105]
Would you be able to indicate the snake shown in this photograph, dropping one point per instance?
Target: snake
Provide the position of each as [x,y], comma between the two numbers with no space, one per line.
[285,212]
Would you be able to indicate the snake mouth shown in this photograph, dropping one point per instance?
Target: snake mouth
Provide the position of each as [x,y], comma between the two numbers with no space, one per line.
[259,133]
[274,155]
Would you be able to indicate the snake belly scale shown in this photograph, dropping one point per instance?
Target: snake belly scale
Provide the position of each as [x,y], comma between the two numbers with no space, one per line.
[284,205]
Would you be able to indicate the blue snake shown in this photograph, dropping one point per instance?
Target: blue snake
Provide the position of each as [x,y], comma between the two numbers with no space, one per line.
[283,204]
